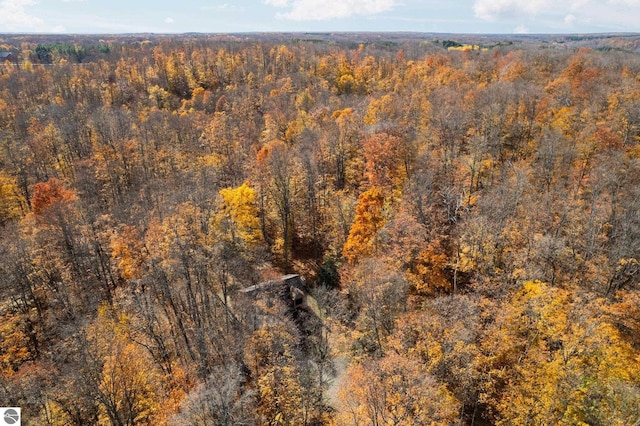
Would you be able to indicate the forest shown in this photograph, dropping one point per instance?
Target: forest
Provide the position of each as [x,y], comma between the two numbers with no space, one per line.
[464,214]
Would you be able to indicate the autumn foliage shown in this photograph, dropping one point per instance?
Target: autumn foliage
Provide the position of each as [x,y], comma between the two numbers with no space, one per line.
[367,222]
[47,194]
[465,220]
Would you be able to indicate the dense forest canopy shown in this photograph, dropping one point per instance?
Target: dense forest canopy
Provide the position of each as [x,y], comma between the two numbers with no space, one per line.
[464,212]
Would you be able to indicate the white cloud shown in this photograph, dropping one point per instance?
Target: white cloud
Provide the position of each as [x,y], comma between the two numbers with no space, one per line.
[169,20]
[223,6]
[277,3]
[570,19]
[564,15]
[318,10]
[496,9]
[491,10]
[521,29]
[627,3]
[14,17]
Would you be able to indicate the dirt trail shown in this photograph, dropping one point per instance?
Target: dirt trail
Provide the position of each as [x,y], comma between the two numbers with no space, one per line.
[341,363]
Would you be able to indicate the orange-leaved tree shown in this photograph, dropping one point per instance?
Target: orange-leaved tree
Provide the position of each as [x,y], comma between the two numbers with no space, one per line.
[47,194]
[368,221]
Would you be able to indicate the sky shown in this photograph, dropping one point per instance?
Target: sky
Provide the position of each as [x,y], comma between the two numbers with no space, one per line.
[228,16]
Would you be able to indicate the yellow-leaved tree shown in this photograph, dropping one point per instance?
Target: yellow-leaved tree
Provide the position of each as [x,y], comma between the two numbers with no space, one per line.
[560,371]
[127,251]
[270,356]
[240,214]
[14,345]
[11,202]
[394,391]
[129,386]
